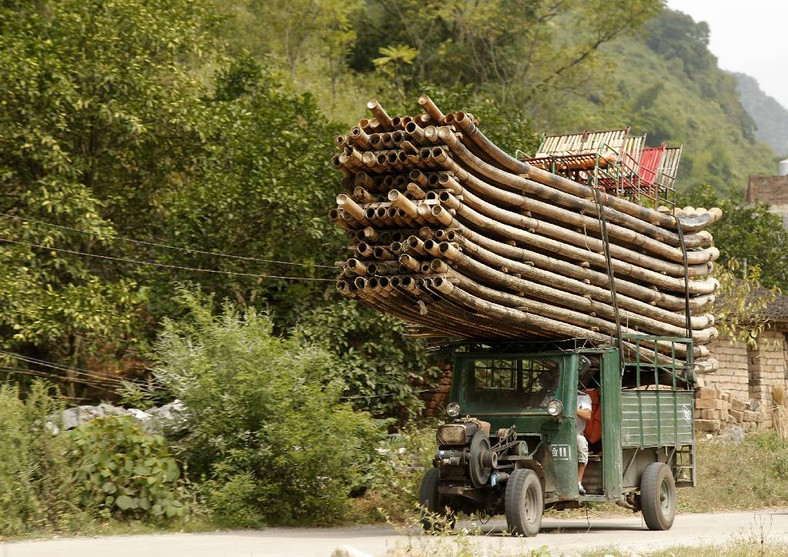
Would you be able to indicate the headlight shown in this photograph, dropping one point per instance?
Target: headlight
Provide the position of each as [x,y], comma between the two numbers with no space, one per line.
[555,408]
[453,409]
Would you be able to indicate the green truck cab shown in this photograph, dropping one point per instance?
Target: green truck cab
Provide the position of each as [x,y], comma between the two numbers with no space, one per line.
[510,446]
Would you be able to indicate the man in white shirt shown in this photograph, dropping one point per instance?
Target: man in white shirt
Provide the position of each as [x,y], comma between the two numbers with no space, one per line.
[582,416]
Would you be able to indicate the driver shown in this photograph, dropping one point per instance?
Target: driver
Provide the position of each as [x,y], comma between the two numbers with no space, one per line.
[583,414]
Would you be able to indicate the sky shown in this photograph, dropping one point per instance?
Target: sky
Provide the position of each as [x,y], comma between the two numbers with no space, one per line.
[748,37]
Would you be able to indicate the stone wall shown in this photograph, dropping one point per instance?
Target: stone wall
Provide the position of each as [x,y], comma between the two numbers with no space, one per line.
[740,391]
[767,368]
[733,372]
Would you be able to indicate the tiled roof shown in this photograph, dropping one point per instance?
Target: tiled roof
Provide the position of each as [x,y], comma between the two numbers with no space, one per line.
[778,309]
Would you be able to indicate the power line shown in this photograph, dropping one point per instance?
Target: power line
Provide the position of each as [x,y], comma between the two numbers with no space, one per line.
[60,367]
[163,265]
[37,373]
[166,246]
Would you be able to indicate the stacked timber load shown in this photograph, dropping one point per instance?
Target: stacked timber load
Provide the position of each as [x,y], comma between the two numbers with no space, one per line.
[463,241]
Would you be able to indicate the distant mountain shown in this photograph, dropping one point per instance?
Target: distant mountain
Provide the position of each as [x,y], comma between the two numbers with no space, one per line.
[667,84]
[769,115]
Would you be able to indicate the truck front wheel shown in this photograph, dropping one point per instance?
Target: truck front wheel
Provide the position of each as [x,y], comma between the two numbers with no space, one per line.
[658,496]
[432,508]
[524,503]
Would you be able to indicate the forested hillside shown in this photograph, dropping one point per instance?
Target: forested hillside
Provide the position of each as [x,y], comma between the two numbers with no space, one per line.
[769,115]
[667,84]
[149,144]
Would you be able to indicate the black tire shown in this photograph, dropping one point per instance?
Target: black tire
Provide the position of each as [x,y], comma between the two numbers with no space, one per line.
[431,503]
[658,496]
[524,503]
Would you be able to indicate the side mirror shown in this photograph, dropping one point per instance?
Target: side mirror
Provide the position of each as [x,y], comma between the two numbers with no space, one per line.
[585,364]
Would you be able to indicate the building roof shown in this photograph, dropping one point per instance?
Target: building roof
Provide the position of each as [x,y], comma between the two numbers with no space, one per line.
[768,189]
[778,309]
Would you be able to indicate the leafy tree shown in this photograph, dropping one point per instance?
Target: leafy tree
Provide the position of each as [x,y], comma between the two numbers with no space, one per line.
[674,34]
[738,309]
[262,192]
[97,123]
[392,61]
[379,368]
[748,235]
[512,49]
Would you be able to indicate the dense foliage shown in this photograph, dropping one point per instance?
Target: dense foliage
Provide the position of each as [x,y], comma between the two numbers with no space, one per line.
[123,138]
[377,367]
[97,120]
[35,482]
[267,429]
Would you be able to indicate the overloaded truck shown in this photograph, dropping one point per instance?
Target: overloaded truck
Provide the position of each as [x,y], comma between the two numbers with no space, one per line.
[566,283]
[510,444]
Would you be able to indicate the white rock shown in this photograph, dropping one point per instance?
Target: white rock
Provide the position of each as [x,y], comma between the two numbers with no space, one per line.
[347,551]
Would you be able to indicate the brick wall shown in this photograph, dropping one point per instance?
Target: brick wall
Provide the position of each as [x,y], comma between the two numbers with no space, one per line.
[745,379]
[733,372]
[772,190]
[767,369]
[436,399]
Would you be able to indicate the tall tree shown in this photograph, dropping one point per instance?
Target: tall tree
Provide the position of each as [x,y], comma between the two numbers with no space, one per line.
[516,49]
[97,124]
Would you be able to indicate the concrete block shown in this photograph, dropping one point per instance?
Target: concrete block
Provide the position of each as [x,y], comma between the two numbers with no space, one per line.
[707,393]
[713,404]
[737,415]
[707,425]
[707,414]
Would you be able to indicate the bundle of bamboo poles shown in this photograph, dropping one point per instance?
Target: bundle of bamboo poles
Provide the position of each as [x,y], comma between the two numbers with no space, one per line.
[463,241]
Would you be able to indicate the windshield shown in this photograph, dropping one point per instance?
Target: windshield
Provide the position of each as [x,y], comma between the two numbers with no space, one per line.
[512,384]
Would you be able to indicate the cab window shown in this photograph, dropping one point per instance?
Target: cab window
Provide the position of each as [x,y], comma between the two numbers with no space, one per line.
[513,383]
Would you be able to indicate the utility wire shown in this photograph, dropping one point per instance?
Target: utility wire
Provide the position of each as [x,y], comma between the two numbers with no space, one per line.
[37,373]
[164,265]
[74,370]
[45,363]
[166,246]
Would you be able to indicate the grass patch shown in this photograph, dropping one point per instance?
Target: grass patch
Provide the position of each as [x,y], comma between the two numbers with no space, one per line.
[736,548]
[750,475]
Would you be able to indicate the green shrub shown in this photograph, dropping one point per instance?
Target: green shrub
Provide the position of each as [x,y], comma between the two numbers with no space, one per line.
[266,426]
[393,483]
[35,486]
[124,472]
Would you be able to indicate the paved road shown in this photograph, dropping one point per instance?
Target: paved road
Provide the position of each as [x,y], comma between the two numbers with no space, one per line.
[560,536]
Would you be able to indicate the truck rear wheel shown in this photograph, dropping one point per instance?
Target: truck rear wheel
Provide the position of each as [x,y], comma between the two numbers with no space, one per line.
[658,496]
[524,503]
[431,503]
